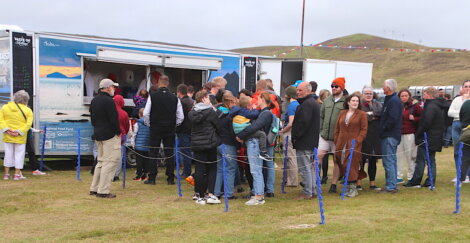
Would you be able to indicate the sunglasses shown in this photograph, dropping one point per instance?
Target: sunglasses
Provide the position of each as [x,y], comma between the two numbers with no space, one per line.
[334,86]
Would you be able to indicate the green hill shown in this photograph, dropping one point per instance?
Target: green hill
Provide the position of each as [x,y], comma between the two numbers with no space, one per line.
[408,68]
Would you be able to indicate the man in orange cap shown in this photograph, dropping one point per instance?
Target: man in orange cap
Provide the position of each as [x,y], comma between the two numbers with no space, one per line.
[329,113]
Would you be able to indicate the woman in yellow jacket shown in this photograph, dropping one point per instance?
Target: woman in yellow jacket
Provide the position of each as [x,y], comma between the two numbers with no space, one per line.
[16,119]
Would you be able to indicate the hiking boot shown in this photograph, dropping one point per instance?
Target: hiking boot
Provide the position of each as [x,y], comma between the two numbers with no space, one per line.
[332,188]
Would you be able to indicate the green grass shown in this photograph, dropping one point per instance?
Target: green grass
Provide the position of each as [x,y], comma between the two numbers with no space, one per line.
[57,208]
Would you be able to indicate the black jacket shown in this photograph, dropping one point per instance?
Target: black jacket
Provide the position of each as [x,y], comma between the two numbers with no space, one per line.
[390,118]
[104,117]
[431,123]
[263,123]
[306,126]
[187,103]
[205,127]
[227,135]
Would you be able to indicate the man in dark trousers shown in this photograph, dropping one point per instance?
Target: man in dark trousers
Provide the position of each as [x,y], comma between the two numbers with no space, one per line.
[106,133]
[305,134]
[184,130]
[163,112]
[432,123]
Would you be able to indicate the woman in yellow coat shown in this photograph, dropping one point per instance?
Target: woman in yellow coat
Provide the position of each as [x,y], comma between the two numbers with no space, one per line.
[16,119]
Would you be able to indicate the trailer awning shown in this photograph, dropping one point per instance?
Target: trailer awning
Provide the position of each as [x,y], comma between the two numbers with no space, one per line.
[107,54]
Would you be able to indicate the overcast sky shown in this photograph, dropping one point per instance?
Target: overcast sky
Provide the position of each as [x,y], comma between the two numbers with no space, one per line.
[245,23]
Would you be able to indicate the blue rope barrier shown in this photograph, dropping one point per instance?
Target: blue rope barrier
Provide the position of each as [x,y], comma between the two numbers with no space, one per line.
[348,168]
[457,187]
[224,170]
[177,160]
[78,155]
[41,163]
[124,162]
[431,181]
[284,170]
[319,191]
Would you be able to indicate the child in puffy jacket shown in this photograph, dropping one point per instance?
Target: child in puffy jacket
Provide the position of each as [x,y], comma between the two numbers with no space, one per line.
[242,116]
[141,141]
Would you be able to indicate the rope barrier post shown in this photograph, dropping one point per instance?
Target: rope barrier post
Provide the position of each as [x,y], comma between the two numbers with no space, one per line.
[124,162]
[458,182]
[41,163]
[348,168]
[78,154]
[177,160]
[224,170]
[431,181]
[319,191]
[284,170]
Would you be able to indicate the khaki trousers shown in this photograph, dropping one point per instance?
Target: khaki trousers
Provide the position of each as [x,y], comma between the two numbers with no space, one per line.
[292,169]
[109,155]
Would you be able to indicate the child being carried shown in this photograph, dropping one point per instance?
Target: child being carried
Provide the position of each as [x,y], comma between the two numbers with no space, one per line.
[241,116]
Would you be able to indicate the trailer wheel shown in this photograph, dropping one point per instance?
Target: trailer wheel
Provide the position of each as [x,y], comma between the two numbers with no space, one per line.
[131,158]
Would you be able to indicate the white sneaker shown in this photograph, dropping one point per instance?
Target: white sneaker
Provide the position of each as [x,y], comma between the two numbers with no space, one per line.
[195,196]
[253,202]
[454,180]
[467,180]
[38,172]
[21,176]
[212,200]
[201,201]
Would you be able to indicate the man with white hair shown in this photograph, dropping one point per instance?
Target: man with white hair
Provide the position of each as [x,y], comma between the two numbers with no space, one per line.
[106,132]
[305,135]
[390,133]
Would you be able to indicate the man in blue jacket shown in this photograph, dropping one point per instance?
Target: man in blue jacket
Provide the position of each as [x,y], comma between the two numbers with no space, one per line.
[390,133]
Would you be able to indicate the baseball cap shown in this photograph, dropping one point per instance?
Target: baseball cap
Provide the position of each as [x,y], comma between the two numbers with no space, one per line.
[297,83]
[105,83]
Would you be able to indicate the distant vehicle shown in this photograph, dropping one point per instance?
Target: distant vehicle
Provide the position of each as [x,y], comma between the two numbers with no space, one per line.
[417,91]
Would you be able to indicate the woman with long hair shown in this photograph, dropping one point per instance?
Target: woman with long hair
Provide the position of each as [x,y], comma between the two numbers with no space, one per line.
[351,124]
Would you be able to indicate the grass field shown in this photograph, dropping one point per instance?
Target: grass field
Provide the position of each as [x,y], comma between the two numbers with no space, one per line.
[57,208]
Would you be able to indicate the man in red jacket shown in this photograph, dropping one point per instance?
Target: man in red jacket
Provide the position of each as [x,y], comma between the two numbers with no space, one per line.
[123,126]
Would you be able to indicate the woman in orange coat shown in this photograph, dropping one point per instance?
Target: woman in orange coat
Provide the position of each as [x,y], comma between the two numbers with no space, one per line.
[351,124]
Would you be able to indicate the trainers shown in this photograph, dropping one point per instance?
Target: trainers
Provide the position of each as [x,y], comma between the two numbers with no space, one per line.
[375,188]
[137,178]
[190,180]
[201,201]
[359,188]
[195,196]
[412,185]
[6,177]
[352,191]
[265,156]
[400,181]
[38,172]
[17,177]
[454,180]
[253,202]
[332,188]
[324,180]
[212,200]
[467,180]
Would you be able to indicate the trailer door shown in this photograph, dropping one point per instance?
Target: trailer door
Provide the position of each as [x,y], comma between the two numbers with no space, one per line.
[357,74]
[320,71]
[271,68]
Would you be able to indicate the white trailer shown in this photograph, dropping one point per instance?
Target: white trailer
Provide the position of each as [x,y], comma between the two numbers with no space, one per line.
[285,72]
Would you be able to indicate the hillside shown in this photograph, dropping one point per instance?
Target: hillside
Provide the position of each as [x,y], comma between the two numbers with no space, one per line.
[408,68]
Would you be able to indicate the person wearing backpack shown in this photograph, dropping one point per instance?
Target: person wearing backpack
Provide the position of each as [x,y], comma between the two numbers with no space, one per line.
[305,136]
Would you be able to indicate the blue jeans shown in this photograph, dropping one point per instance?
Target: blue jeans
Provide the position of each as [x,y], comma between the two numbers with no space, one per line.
[269,172]
[456,130]
[447,135]
[256,166]
[389,160]
[231,167]
[185,158]
[421,163]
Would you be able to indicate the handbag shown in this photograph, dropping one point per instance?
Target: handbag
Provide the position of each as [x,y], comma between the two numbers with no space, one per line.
[465,136]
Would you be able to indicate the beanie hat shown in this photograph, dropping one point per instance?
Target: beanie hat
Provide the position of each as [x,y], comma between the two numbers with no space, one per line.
[291,92]
[341,82]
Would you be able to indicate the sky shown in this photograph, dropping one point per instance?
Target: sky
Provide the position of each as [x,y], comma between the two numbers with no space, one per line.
[246,23]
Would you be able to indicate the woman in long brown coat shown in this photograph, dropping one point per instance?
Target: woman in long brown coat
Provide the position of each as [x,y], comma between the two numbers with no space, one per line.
[351,124]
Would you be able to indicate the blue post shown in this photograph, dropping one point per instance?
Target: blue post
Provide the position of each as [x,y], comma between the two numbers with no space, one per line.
[124,162]
[431,181]
[457,187]
[177,160]
[78,155]
[224,170]
[42,148]
[284,170]
[346,177]
[319,191]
